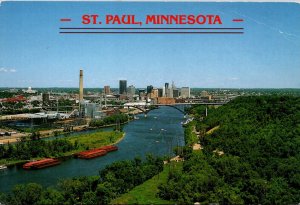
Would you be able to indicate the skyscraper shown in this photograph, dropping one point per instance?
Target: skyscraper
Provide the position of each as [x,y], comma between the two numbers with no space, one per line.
[131,90]
[106,89]
[122,87]
[160,92]
[149,89]
[166,86]
[175,93]
[166,93]
[185,92]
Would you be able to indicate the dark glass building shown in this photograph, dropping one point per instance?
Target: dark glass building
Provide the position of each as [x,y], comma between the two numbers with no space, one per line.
[149,89]
[122,87]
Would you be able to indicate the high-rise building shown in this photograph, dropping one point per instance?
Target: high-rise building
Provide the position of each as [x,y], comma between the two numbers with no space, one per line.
[166,88]
[175,93]
[169,92]
[185,92]
[81,86]
[106,89]
[122,87]
[131,90]
[160,92]
[149,89]
[154,93]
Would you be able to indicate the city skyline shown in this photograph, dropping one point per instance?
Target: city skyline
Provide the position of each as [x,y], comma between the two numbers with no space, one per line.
[34,54]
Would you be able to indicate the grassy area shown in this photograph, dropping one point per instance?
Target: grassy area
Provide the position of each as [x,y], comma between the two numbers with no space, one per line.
[97,139]
[146,193]
[9,162]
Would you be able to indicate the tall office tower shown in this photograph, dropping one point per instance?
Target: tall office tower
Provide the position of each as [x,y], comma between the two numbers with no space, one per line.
[163,92]
[175,93]
[131,90]
[185,92]
[172,88]
[160,92]
[166,86]
[166,90]
[154,93]
[81,86]
[170,92]
[149,89]
[106,89]
[122,87]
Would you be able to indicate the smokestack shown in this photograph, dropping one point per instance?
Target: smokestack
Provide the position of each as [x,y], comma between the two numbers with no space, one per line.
[81,86]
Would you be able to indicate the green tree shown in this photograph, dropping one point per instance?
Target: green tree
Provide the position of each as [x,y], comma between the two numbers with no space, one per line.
[26,194]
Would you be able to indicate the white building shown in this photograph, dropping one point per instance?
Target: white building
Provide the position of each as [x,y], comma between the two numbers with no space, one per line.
[29,90]
[185,92]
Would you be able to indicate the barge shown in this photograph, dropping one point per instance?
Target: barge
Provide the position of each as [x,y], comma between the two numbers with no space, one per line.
[97,152]
[41,163]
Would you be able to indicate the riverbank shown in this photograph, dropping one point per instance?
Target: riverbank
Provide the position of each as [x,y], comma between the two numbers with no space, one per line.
[119,140]
[146,193]
[53,132]
[84,142]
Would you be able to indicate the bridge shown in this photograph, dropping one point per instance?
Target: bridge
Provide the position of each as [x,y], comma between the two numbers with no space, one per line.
[142,107]
[174,105]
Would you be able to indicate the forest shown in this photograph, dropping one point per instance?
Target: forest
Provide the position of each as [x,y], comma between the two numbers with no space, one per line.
[251,157]
[38,148]
[110,120]
[114,180]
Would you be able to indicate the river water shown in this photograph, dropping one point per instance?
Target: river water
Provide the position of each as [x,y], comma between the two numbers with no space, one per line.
[157,133]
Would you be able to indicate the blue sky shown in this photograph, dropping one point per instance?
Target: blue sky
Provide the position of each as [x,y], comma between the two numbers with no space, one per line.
[33,53]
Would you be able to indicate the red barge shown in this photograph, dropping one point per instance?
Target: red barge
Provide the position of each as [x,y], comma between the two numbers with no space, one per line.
[41,163]
[97,152]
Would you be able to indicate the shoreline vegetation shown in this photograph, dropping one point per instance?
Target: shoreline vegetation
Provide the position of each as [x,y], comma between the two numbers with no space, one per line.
[249,154]
[146,193]
[60,131]
[71,145]
[94,124]
[114,180]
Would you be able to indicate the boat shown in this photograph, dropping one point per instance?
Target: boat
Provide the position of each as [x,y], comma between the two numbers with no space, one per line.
[97,152]
[2,167]
[91,154]
[109,148]
[39,164]
[136,117]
